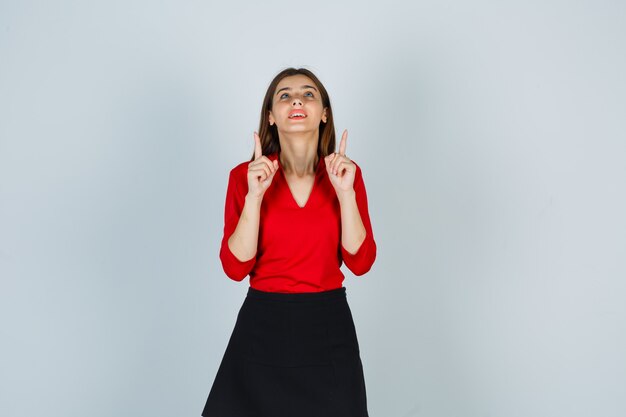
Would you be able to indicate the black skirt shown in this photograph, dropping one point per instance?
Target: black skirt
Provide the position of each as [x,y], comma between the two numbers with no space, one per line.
[291,355]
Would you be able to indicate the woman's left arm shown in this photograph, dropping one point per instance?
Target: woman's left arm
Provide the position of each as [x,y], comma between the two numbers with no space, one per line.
[358,248]
[352,228]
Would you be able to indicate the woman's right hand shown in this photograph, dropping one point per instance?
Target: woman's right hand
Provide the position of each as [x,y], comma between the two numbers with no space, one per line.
[260,171]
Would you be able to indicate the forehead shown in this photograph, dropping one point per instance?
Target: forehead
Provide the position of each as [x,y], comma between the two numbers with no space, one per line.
[295,82]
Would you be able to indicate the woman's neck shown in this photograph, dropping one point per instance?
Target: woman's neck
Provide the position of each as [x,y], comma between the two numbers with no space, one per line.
[301,162]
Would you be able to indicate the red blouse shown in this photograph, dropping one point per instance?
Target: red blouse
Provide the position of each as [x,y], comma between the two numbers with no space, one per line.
[299,248]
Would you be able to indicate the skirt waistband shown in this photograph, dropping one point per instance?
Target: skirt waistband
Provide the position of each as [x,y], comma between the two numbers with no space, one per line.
[297,296]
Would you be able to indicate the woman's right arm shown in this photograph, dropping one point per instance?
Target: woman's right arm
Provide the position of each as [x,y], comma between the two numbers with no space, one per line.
[243,242]
[242,216]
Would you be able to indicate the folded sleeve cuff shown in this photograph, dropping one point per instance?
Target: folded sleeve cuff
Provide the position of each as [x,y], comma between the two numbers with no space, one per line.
[361,261]
[234,268]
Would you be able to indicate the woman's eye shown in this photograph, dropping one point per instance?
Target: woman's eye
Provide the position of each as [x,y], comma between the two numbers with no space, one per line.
[287,94]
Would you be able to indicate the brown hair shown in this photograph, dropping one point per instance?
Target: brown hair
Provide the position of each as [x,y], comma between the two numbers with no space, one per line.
[269,134]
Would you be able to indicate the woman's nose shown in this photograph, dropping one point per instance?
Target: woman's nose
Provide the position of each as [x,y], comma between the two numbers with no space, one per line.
[296,100]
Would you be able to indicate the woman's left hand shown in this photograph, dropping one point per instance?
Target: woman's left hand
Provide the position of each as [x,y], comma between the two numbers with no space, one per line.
[341,170]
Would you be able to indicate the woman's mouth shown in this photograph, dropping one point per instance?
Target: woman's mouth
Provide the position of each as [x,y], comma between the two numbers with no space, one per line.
[297,114]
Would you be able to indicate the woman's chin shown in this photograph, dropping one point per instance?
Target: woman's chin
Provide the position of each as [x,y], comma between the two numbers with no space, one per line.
[298,129]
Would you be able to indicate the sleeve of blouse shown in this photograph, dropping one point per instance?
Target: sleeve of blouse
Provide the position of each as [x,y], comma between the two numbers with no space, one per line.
[362,260]
[234,268]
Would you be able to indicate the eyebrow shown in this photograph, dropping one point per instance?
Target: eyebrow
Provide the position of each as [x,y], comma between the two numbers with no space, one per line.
[303,87]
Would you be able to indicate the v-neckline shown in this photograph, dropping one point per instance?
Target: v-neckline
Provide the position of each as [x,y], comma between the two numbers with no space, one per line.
[306,203]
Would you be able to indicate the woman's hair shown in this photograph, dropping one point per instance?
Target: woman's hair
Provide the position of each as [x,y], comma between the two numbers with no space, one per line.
[269,134]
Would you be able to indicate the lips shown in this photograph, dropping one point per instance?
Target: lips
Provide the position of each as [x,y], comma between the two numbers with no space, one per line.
[298,114]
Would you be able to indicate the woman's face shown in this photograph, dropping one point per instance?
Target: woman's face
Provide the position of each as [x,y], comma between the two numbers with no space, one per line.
[297,94]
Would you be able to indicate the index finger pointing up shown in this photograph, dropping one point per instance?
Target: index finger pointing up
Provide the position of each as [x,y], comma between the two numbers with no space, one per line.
[258,151]
[342,143]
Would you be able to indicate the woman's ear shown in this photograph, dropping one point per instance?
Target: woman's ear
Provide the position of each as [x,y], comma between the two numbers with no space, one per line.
[324,117]
[272,121]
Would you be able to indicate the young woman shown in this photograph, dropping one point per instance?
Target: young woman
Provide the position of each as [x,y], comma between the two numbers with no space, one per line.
[293,214]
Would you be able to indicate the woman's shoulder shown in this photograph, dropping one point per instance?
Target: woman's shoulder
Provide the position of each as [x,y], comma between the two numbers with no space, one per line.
[241,169]
[359,171]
